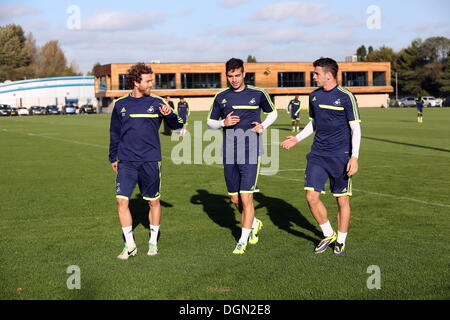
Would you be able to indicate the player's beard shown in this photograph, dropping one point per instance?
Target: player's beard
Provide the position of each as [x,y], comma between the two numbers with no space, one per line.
[144,91]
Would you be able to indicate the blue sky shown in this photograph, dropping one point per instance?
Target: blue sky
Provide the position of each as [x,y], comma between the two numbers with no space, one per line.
[215,30]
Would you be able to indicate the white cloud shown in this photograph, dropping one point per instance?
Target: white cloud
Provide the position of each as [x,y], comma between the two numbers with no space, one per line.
[266,35]
[232,3]
[117,21]
[426,27]
[238,31]
[304,13]
[351,22]
[133,40]
[9,13]
[186,12]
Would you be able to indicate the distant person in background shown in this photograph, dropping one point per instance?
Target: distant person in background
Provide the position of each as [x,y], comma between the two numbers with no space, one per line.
[419,106]
[167,131]
[294,108]
[183,113]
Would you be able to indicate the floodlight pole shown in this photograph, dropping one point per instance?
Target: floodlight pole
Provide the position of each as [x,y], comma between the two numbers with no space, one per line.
[396,87]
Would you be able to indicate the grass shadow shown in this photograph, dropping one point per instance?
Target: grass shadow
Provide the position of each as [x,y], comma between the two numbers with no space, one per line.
[288,127]
[286,217]
[407,144]
[219,209]
[140,209]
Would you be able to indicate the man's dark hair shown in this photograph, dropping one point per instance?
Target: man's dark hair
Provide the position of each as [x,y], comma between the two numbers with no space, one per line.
[135,72]
[328,64]
[234,64]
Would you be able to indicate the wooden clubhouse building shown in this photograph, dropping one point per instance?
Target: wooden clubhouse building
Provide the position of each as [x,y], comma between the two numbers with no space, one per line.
[199,82]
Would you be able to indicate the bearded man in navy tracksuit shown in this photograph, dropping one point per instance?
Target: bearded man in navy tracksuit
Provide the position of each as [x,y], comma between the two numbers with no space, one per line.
[135,152]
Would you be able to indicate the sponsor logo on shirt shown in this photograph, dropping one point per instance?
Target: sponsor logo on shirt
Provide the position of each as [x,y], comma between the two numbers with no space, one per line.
[314,99]
[123,111]
[224,101]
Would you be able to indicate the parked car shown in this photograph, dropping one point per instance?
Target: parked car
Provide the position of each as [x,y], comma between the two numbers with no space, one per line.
[14,112]
[88,108]
[407,102]
[36,110]
[22,111]
[428,101]
[51,110]
[5,110]
[439,102]
[69,109]
[446,102]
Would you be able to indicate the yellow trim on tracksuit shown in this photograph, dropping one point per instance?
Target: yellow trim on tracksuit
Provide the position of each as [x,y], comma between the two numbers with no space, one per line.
[349,190]
[267,97]
[353,101]
[158,195]
[212,105]
[324,106]
[144,115]
[245,107]
[312,189]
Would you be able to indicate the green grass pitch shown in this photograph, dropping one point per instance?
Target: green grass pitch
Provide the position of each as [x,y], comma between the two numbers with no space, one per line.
[58,209]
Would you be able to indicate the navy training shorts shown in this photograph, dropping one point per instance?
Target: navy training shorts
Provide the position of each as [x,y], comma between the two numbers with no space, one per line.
[147,175]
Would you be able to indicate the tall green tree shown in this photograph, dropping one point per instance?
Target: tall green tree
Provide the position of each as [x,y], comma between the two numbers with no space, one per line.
[410,69]
[52,61]
[91,73]
[251,58]
[423,67]
[384,54]
[444,79]
[14,57]
[21,58]
[33,52]
[436,49]
[361,53]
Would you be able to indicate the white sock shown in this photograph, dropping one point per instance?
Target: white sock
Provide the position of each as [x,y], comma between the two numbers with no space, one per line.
[128,234]
[341,237]
[154,234]
[327,229]
[244,235]
[255,223]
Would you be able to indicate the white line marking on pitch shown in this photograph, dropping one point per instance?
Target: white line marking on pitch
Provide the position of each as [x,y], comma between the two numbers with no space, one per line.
[404,198]
[437,204]
[41,135]
[273,176]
